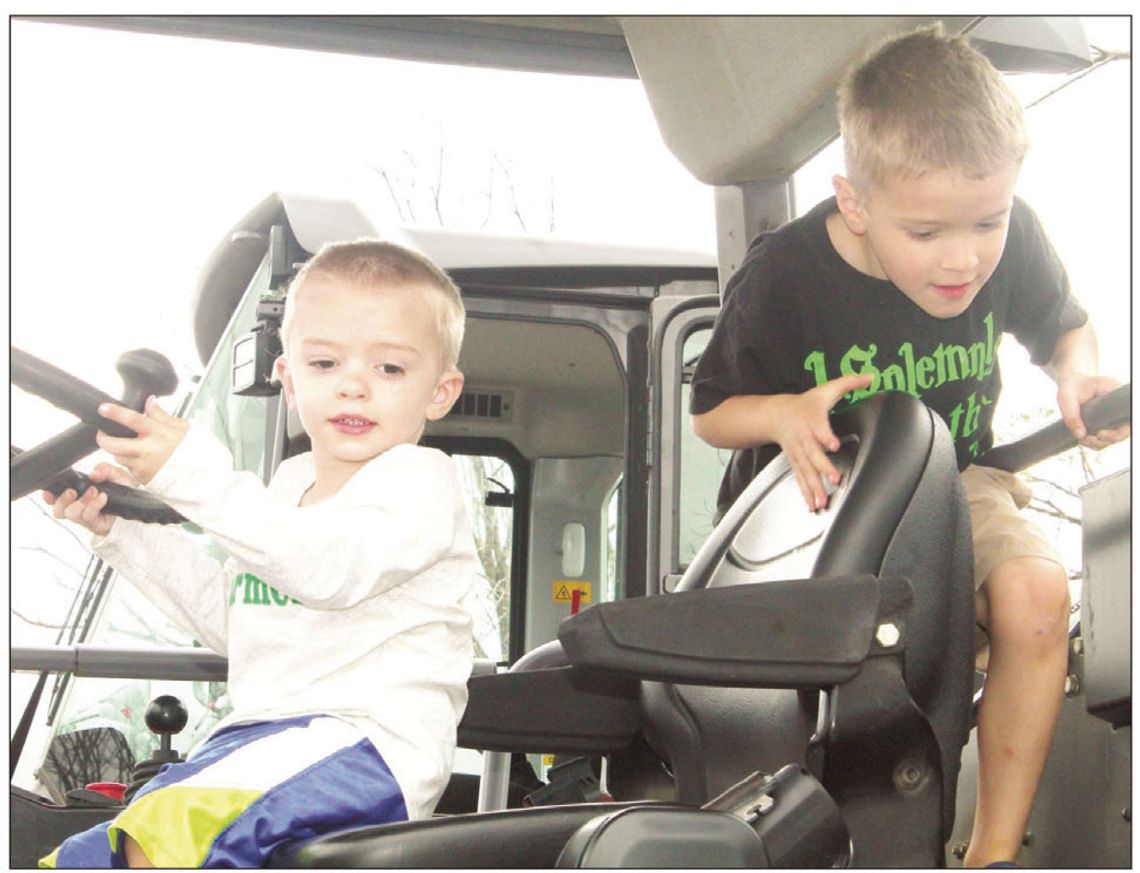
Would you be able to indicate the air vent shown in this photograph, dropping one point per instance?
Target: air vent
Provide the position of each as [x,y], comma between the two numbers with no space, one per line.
[495,405]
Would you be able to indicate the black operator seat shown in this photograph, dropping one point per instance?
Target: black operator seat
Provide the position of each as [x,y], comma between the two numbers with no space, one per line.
[899,512]
[777,605]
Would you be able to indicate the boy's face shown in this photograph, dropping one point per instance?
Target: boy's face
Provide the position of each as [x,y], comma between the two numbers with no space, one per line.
[938,238]
[363,368]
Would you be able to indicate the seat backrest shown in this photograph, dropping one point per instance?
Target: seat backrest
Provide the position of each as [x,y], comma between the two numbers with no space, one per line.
[899,512]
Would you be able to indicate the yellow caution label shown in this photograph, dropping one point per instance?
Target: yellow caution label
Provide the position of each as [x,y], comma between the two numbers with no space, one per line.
[564,590]
[548,760]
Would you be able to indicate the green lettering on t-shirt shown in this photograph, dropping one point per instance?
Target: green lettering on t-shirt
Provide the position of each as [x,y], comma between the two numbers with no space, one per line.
[257,593]
[894,379]
[953,362]
[814,364]
[858,361]
[916,373]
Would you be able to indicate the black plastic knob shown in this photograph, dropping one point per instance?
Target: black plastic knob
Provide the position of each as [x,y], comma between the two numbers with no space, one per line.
[166,714]
[145,372]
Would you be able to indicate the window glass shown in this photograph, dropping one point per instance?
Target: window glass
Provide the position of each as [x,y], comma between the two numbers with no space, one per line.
[100,710]
[701,465]
[480,476]
[610,541]
[101,731]
[239,422]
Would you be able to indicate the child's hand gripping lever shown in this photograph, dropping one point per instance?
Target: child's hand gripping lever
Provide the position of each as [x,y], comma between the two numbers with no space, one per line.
[1109,412]
[145,373]
[46,466]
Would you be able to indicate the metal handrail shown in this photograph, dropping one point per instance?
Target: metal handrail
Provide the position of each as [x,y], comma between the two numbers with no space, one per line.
[187,664]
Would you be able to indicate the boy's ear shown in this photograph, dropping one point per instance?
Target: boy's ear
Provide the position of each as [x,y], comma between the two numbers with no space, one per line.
[850,205]
[447,391]
[282,370]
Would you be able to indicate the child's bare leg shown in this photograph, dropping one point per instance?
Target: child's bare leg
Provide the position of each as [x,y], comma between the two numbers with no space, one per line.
[1026,606]
[136,857]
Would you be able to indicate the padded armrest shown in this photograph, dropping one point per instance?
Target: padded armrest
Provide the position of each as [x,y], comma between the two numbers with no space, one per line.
[787,634]
[645,838]
[517,838]
[559,710]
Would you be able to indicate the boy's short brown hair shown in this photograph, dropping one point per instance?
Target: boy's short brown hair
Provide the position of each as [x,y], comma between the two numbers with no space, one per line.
[380,264]
[928,101]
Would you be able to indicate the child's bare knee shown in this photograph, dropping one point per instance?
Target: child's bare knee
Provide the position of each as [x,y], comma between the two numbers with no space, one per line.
[1028,602]
[136,857]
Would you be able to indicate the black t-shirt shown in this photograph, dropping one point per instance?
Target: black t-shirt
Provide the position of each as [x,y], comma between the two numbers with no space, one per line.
[797,315]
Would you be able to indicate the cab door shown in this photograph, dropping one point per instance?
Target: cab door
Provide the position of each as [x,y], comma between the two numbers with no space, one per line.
[684,471]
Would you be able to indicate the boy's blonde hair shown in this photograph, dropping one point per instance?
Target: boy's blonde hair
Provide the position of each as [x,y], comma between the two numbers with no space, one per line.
[384,265]
[927,101]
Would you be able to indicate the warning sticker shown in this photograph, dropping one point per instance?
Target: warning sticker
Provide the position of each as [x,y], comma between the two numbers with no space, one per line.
[564,590]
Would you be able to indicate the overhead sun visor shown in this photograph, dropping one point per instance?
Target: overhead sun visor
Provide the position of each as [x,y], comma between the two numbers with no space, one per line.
[745,98]
[740,99]
[1041,44]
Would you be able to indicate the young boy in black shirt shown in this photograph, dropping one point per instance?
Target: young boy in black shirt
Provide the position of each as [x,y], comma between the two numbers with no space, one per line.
[906,281]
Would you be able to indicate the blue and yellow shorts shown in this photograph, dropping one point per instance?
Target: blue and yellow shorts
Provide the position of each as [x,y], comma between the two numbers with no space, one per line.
[247,791]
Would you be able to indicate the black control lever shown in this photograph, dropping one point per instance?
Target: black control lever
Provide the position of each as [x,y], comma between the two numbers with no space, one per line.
[122,501]
[1110,411]
[144,373]
[166,715]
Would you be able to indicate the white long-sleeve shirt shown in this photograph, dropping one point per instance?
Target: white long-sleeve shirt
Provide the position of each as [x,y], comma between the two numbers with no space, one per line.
[352,607]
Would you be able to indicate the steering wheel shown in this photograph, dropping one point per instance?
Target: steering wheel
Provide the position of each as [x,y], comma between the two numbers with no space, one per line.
[48,465]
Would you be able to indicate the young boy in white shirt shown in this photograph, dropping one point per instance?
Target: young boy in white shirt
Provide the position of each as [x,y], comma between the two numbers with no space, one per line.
[340,604]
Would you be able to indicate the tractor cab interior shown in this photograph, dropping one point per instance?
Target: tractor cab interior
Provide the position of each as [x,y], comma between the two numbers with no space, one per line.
[653,687]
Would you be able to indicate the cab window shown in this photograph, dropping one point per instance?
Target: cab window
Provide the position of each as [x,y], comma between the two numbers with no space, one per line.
[92,712]
[489,485]
[701,465]
[241,422]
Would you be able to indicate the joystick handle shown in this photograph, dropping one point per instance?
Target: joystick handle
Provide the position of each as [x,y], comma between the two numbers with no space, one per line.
[145,372]
[166,715]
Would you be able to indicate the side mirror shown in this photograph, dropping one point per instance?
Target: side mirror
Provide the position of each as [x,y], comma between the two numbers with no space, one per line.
[255,353]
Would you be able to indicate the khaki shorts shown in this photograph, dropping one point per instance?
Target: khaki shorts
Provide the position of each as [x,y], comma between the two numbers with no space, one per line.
[1000,531]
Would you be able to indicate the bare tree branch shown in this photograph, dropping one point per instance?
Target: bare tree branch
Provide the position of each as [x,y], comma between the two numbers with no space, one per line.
[511,189]
[66,528]
[383,173]
[35,622]
[1100,59]
[55,557]
[1052,483]
[490,196]
[1047,507]
[550,204]
[1086,465]
[437,188]
[415,173]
